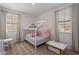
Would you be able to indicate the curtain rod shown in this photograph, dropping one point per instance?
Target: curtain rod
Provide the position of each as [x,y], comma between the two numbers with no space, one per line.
[4,11]
[8,12]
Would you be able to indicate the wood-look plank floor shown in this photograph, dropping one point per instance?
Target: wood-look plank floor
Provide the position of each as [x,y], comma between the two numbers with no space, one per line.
[25,48]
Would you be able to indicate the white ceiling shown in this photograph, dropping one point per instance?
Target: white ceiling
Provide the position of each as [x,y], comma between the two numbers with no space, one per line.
[36,9]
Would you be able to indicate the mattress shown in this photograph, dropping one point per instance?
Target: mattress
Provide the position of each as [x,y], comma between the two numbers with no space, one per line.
[36,40]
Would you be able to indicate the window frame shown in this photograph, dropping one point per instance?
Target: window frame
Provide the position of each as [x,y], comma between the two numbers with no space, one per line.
[64,20]
[12,23]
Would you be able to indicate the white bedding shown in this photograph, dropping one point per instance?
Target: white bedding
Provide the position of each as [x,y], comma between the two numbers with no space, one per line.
[36,41]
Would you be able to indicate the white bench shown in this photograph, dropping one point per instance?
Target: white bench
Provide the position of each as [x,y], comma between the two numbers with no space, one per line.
[56,47]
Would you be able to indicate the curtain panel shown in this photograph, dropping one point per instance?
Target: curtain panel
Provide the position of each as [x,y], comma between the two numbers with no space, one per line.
[2,24]
[75,27]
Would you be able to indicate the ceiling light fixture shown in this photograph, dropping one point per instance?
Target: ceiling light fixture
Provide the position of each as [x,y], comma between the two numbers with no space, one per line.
[33,4]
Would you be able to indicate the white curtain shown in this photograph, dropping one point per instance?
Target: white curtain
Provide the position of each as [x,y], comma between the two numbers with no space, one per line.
[75,27]
[2,25]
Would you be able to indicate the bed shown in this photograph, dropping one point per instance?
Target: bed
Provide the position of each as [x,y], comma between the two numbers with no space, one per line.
[37,33]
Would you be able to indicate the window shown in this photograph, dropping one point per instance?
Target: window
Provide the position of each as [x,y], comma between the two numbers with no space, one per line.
[64,20]
[11,22]
[61,27]
[68,26]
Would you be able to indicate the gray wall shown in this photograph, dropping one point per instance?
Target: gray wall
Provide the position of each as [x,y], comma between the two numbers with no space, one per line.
[49,17]
[24,21]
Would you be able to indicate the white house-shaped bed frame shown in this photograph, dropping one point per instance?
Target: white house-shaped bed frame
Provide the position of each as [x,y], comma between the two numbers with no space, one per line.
[38,24]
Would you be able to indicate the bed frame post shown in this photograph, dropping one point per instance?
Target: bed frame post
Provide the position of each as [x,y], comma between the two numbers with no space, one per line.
[35,40]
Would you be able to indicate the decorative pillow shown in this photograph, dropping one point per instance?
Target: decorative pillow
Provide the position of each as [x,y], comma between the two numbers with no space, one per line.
[32,34]
[45,33]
